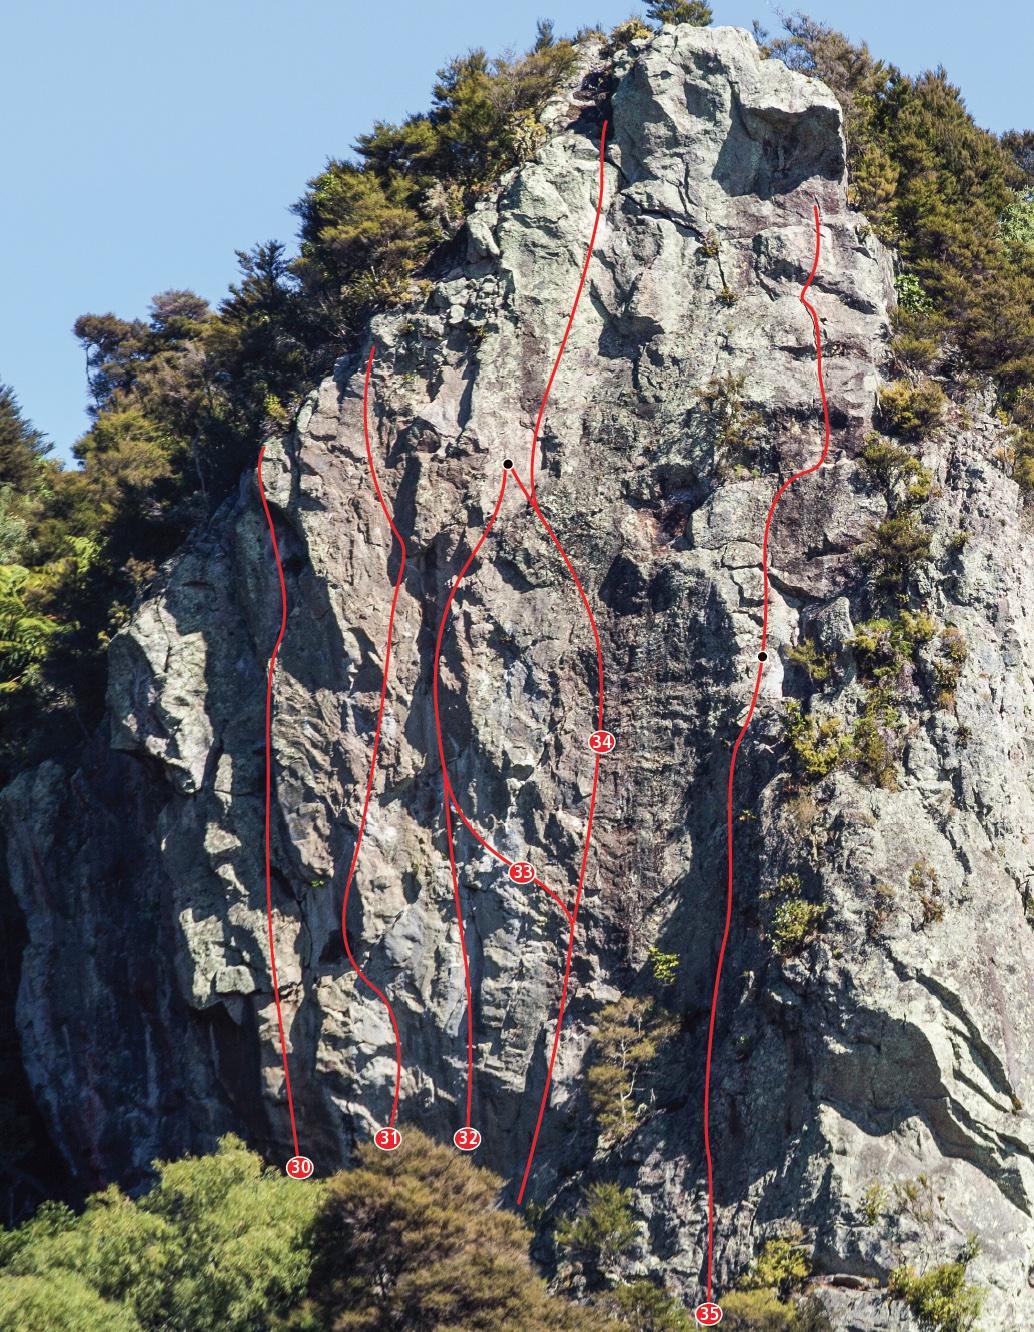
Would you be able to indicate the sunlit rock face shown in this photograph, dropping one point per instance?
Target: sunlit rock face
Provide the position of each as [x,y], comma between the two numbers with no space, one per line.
[893,1047]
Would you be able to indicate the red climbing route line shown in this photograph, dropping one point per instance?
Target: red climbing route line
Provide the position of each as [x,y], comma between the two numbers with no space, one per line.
[397,535]
[742,733]
[533,501]
[451,803]
[564,987]
[269,786]
[570,317]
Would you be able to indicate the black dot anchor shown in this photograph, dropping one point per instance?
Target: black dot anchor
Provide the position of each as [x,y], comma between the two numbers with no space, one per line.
[507,463]
[762,656]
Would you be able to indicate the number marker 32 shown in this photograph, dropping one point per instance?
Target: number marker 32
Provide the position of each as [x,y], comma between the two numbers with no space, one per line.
[466,1139]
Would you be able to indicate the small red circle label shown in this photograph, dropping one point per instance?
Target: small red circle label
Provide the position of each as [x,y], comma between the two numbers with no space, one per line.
[521,871]
[708,1315]
[466,1139]
[387,1139]
[299,1167]
[602,742]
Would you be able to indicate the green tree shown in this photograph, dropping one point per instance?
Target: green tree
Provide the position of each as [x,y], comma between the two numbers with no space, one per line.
[644,1306]
[22,446]
[59,1302]
[628,1038]
[415,1239]
[603,1229]
[695,12]
[219,1244]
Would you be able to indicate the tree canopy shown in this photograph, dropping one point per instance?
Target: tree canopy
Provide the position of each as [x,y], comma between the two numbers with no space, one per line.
[414,1240]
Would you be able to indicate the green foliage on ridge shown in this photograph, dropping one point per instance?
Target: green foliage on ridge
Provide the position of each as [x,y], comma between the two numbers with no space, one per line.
[181,399]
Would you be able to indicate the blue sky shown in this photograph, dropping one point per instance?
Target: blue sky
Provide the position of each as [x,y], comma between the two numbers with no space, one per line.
[145,142]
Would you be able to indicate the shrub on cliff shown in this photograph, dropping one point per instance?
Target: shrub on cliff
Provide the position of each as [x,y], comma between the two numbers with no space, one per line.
[911,410]
[628,1039]
[941,1298]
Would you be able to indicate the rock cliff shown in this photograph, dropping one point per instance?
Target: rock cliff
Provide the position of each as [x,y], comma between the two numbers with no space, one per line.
[893,1047]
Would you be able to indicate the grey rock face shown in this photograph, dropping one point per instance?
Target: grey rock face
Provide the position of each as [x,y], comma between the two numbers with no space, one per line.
[900,1056]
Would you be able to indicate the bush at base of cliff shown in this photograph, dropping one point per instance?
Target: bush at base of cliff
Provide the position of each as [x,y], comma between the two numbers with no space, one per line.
[763,1311]
[217,1244]
[645,1307]
[415,1239]
[411,1239]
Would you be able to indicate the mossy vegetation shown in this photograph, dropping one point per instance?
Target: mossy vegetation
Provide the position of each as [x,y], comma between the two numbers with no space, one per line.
[924,883]
[817,665]
[899,546]
[735,429]
[874,1202]
[886,645]
[876,739]
[901,475]
[952,657]
[795,921]
[819,744]
[664,967]
[882,900]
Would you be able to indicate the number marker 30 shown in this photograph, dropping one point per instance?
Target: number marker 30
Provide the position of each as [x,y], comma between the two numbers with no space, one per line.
[387,1139]
[708,1315]
[299,1167]
[466,1139]
[522,872]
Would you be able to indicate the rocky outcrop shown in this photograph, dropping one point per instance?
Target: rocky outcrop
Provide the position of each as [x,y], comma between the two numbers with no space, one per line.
[893,1048]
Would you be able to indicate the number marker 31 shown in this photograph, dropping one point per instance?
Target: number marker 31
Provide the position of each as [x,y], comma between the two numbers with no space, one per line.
[387,1139]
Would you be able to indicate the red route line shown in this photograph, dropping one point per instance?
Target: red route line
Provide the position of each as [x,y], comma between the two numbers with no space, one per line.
[450,801]
[448,798]
[269,782]
[742,733]
[570,317]
[376,746]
